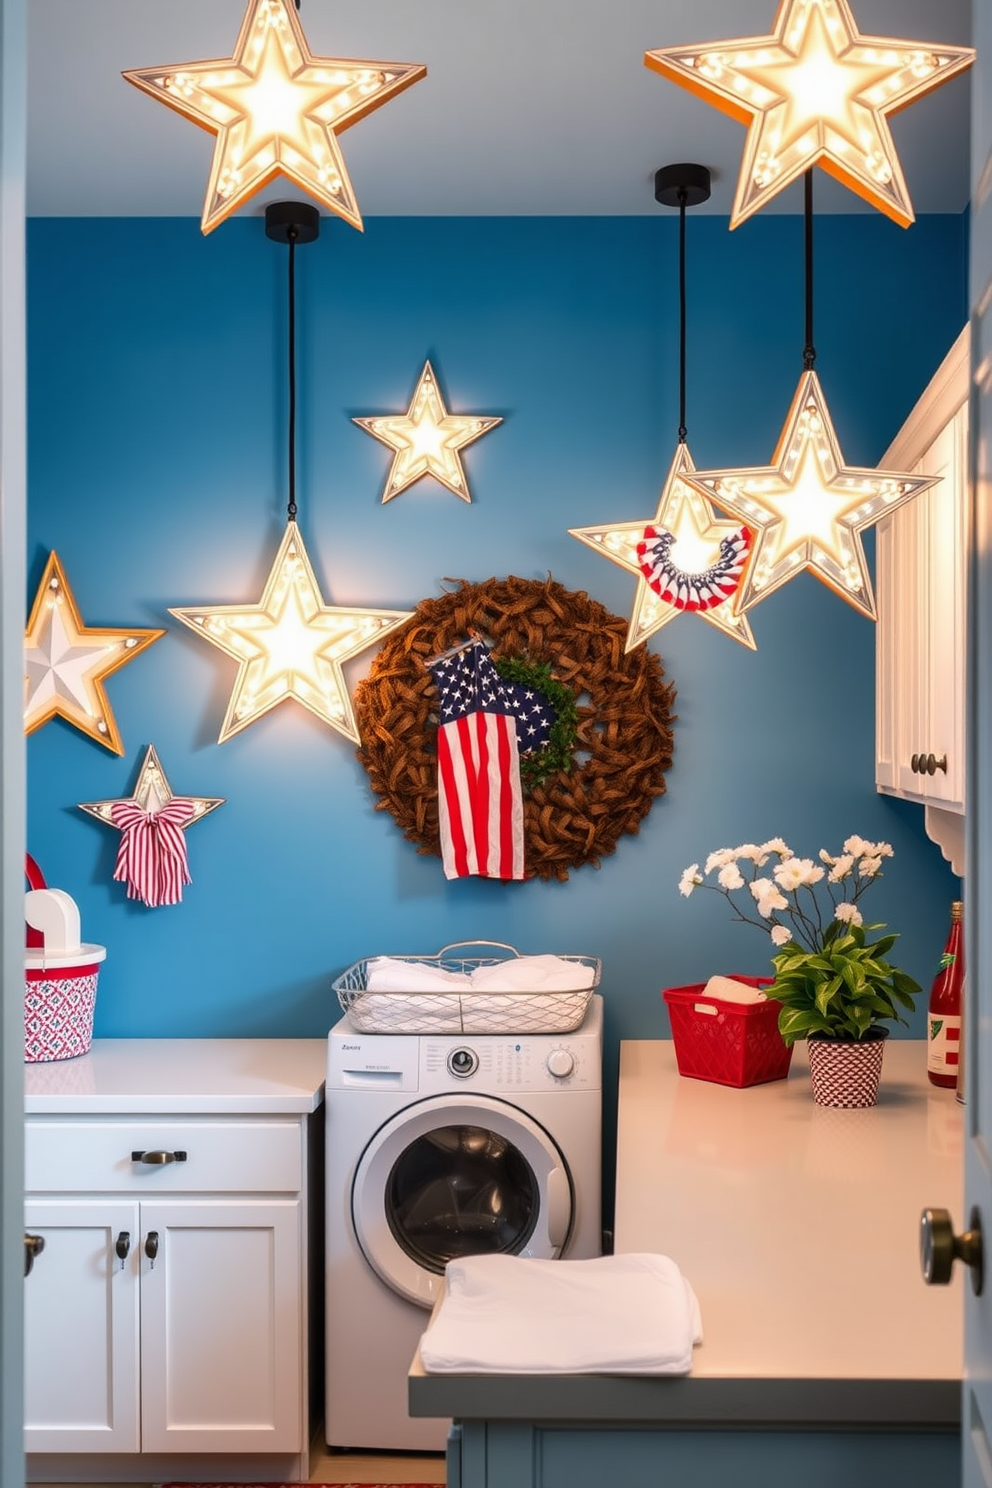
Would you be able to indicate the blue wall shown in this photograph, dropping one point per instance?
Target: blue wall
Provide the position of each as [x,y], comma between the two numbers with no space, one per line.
[157,402]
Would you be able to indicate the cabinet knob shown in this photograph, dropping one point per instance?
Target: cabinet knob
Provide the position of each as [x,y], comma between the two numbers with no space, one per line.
[914,764]
[158,1158]
[940,1248]
[33,1246]
[123,1245]
[933,764]
[151,1244]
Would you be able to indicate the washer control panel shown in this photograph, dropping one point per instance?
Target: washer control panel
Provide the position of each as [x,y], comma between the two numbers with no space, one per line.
[510,1063]
[463,1062]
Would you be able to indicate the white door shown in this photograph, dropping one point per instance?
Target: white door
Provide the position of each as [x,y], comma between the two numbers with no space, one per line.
[451,1177]
[977,1394]
[81,1328]
[222,1328]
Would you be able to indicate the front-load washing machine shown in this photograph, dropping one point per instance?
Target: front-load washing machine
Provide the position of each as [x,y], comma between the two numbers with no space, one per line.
[441,1146]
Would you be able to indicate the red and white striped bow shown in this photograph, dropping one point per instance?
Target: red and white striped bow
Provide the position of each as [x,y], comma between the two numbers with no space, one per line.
[151,858]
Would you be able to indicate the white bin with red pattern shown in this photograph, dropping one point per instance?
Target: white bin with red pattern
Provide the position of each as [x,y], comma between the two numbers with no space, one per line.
[60,975]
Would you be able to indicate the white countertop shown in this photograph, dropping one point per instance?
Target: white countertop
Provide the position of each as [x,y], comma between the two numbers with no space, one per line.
[797,1225]
[207,1076]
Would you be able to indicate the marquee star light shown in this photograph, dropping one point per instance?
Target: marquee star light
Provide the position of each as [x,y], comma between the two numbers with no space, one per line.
[427,439]
[686,560]
[814,92]
[807,509]
[66,662]
[151,792]
[290,644]
[276,110]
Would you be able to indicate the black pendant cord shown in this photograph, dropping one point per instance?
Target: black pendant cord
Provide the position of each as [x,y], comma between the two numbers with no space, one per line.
[683,197]
[809,350]
[291,236]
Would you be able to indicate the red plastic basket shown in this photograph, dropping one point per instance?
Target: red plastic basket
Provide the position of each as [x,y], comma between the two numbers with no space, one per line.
[729,1043]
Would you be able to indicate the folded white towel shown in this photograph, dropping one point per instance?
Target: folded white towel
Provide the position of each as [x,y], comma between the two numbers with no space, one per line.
[392,974]
[728,989]
[625,1314]
[533,974]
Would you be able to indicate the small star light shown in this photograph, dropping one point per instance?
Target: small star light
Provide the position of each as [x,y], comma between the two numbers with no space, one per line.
[66,662]
[807,509]
[276,110]
[427,439]
[701,560]
[151,793]
[815,92]
[290,644]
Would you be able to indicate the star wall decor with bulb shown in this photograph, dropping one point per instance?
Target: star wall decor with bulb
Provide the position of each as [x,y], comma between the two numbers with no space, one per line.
[427,440]
[290,644]
[152,858]
[686,560]
[276,110]
[814,92]
[67,662]
[807,509]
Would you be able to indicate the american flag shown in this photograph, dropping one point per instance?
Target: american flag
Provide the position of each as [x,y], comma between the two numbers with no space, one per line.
[484,725]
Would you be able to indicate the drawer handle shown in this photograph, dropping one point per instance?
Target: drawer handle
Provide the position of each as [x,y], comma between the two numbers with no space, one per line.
[33,1246]
[158,1158]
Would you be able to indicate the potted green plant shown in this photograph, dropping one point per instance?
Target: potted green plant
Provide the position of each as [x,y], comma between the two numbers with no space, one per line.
[836,985]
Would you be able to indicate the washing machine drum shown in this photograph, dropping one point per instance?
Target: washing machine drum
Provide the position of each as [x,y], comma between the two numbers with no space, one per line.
[450,1177]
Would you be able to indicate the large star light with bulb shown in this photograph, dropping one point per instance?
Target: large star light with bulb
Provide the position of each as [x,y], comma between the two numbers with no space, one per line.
[276,110]
[807,509]
[67,662]
[290,644]
[814,92]
[685,559]
[427,439]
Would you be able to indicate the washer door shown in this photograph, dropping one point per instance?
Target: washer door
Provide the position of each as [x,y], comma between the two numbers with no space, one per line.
[450,1177]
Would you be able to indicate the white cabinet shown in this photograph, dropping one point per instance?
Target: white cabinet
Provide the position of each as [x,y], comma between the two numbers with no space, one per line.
[921,565]
[168,1311]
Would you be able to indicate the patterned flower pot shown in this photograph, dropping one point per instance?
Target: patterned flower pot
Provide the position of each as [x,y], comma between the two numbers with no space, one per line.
[845,1072]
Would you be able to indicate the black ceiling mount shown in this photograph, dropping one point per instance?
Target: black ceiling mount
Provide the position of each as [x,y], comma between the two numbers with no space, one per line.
[281,218]
[675,184]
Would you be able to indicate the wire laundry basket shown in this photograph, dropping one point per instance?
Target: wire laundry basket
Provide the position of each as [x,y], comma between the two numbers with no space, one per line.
[460,1009]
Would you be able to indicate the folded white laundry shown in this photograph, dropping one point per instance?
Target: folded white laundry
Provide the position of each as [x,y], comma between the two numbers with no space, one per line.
[533,974]
[728,989]
[625,1314]
[392,974]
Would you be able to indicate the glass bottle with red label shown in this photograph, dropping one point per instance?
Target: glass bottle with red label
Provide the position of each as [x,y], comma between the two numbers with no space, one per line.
[944,1010]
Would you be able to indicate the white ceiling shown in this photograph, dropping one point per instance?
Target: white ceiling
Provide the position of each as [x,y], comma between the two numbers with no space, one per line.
[529,107]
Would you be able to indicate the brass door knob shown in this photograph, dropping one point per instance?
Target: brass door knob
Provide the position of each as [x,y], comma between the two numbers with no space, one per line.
[33,1246]
[940,1248]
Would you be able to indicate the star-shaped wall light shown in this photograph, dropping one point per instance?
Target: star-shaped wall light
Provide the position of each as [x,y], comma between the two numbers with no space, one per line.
[276,110]
[66,662]
[685,559]
[427,439]
[151,793]
[807,509]
[814,92]
[290,644]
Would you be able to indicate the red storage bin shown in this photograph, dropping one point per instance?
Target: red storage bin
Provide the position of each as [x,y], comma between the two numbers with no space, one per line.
[729,1043]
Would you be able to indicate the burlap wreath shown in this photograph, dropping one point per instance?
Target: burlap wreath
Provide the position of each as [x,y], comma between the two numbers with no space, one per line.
[624,743]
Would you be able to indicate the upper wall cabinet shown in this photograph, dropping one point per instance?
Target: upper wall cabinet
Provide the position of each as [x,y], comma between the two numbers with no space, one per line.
[921,567]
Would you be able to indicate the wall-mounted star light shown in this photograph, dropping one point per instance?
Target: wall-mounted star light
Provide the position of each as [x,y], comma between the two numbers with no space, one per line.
[290,644]
[152,858]
[66,662]
[427,439]
[276,110]
[686,559]
[814,92]
[807,509]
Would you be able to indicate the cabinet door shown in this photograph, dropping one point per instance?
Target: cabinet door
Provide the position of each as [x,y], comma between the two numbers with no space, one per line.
[921,554]
[222,1352]
[81,1329]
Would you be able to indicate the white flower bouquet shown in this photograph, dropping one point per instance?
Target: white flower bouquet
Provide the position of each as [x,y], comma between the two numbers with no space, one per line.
[830,978]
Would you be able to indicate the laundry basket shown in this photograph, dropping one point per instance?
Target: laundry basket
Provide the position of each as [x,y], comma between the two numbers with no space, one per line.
[413,1003]
[60,975]
[728,1043]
